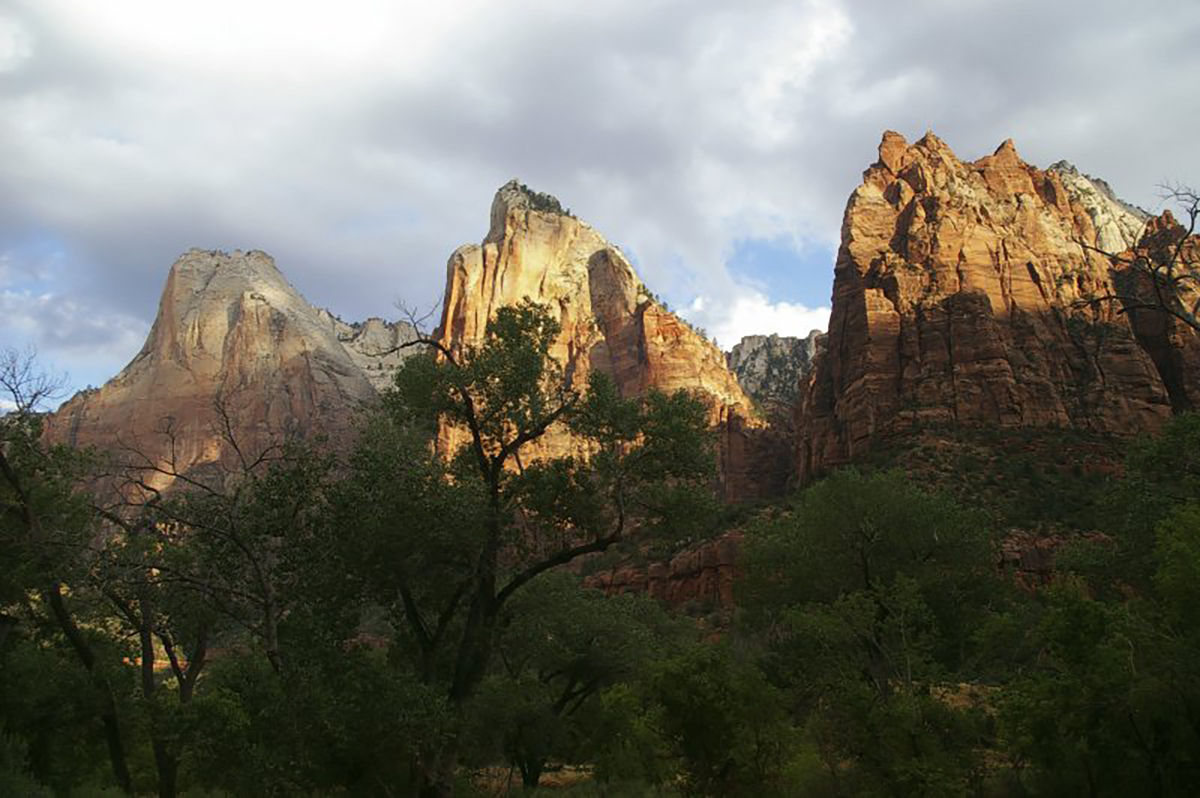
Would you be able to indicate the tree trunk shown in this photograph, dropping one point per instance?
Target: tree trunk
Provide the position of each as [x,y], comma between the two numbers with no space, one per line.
[164,761]
[108,715]
[531,772]
[436,772]
[168,770]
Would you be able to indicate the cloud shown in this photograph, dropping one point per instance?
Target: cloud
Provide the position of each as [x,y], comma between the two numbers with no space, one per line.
[360,147]
[15,44]
[752,313]
[69,335]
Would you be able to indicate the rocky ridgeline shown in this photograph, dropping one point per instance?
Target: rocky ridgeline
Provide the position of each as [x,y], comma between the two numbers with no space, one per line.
[610,323]
[771,367]
[960,297]
[374,345]
[231,328]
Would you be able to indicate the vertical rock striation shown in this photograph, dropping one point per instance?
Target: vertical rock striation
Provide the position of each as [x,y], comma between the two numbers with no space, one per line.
[960,297]
[231,329]
[609,319]
[610,322]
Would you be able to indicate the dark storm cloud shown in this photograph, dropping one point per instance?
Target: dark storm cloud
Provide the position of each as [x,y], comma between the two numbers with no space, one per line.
[361,149]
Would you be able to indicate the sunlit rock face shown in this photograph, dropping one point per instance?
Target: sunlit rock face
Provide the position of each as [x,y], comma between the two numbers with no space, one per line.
[611,323]
[232,331]
[960,298]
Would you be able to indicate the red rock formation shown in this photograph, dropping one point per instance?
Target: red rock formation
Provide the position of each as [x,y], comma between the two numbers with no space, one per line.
[704,573]
[230,326]
[610,321]
[960,298]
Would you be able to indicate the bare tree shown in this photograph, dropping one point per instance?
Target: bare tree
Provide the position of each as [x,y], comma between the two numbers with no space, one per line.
[217,512]
[41,516]
[24,386]
[1161,273]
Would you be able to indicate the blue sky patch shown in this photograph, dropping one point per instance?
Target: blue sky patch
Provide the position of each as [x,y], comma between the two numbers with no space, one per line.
[781,271]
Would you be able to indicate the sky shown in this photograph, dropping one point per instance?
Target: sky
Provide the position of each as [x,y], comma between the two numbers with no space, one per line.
[361,142]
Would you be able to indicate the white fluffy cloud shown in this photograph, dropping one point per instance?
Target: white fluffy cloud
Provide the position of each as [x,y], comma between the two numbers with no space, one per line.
[728,320]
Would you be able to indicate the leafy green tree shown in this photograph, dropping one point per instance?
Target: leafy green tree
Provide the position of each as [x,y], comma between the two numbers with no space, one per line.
[1109,706]
[559,647]
[454,542]
[229,554]
[1108,701]
[864,597]
[724,722]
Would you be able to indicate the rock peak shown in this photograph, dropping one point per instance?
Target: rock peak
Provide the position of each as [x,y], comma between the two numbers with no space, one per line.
[1007,147]
[931,142]
[892,148]
[978,314]
[515,196]
[230,325]
[609,323]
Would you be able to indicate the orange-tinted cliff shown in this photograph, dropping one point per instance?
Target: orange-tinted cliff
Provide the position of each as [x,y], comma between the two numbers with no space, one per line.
[960,297]
[610,321]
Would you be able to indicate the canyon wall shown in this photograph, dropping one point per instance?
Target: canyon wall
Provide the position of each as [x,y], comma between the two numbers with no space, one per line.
[702,574]
[611,323]
[961,296]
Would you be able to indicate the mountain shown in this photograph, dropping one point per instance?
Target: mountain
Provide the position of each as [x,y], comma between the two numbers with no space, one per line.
[231,328]
[611,323]
[771,367]
[961,298]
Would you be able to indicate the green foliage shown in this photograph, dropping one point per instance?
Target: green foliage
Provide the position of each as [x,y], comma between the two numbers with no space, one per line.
[1162,473]
[48,733]
[1045,480]
[14,777]
[508,386]
[628,745]
[389,622]
[1110,702]
[455,543]
[864,598]
[724,722]
[560,647]
[544,203]
[1177,576]
[354,723]
[703,719]
[1112,698]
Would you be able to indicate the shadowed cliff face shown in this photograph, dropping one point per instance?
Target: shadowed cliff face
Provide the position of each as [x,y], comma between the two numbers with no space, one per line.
[771,367]
[957,300]
[610,322]
[232,327]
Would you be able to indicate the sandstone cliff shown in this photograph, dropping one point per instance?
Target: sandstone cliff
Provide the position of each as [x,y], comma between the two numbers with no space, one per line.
[702,574]
[230,326]
[610,321]
[957,300]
